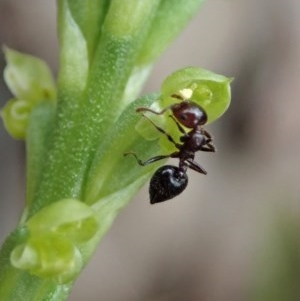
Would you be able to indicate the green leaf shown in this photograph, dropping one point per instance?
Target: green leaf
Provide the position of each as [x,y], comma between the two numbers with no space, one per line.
[172,16]
[89,16]
[121,138]
[126,18]
[74,57]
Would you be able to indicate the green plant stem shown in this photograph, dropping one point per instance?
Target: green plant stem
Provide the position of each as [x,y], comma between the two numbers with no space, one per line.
[84,118]
[40,126]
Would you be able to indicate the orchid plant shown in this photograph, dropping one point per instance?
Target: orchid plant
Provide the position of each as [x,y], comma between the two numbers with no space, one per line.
[76,129]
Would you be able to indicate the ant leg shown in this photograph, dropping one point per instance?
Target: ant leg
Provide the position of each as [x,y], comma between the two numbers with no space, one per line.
[195,166]
[209,147]
[149,161]
[180,128]
[207,134]
[163,132]
[143,109]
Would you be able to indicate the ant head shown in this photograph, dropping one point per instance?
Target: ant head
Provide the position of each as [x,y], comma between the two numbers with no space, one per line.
[189,114]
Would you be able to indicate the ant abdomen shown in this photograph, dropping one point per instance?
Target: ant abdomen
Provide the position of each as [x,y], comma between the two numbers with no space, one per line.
[167,182]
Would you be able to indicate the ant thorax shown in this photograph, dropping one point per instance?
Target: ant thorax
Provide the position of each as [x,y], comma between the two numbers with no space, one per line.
[193,141]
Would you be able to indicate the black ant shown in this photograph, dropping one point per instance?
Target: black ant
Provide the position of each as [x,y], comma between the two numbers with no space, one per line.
[169,181]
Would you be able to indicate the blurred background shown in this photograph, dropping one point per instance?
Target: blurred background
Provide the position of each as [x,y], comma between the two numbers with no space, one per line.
[233,234]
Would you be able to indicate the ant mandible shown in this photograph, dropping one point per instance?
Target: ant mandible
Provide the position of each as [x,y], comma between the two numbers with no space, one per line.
[169,181]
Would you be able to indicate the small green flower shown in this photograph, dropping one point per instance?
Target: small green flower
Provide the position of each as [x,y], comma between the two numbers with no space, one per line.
[49,256]
[30,81]
[210,90]
[55,234]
